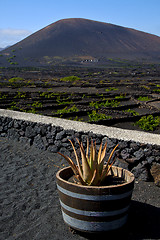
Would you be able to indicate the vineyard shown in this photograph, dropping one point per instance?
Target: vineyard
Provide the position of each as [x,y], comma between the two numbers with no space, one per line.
[124,97]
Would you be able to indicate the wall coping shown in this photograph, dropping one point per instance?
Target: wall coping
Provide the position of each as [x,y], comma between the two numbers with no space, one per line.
[111,132]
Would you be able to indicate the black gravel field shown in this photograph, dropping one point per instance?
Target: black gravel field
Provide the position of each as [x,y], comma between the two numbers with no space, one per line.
[29,205]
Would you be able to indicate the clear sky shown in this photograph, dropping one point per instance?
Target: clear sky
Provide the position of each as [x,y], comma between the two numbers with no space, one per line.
[20,18]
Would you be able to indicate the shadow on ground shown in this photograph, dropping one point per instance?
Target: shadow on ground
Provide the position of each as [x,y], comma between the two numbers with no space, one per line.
[143,223]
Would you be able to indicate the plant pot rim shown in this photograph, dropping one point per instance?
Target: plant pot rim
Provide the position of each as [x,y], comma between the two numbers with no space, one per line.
[128,181]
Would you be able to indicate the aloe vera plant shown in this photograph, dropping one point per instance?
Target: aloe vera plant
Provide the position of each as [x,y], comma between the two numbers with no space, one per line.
[91,170]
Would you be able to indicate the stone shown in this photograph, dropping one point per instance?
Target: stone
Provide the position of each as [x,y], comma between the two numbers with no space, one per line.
[98,141]
[65,140]
[134,146]
[147,152]
[66,145]
[53,148]
[1,129]
[3,134]
[26,141]
[49,127]
[45,142]
[155,172]
[16,124]
[70,132]
[53,132]
[121,163]
[59,129]
[139,154]
[32,124]
[65,152]
[10,125]
[5,127]
[144,176]
[150,159]
[53,128]
[110,144]
[155,152]
[141,172]
[38,142]
[37,128]
[30,132]
[72,138]
[48,135]
[131,160]
[58,143]
[21,133]
[76,135]
[157,159]
[43,130]
[50,140]
[123,145]
[13,134]
[125,153]
[91,135]
[157,147]
[6,120]
[60,135]
[23,125]
[84,138]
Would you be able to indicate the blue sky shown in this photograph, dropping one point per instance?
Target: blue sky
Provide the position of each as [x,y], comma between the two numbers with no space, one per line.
[20,18]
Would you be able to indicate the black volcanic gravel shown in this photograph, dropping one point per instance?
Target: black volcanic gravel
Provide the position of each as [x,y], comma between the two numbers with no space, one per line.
[29,205]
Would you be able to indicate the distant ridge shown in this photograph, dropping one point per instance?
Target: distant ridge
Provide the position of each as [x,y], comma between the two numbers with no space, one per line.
[77,37]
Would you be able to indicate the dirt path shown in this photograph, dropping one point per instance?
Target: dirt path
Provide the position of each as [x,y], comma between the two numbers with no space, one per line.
[29,205]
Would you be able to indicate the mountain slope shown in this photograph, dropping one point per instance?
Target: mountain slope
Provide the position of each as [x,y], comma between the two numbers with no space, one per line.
[82,37]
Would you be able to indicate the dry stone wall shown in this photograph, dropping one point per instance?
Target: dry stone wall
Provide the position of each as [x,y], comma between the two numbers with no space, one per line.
[138,157]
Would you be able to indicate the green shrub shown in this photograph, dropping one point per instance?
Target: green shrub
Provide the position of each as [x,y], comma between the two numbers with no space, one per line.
[108,103]
[3,96]
[120,96]
[111,103]
[13,106]
[94,116]
[70,79]
[15,79]
[111,89]
[20,95]
[37,104]
[95,104]
[141,98]
[157,90]
[67,110]
[47,94]
[62,100]
[14,63]
[132,112]
[32,110]
[148,123]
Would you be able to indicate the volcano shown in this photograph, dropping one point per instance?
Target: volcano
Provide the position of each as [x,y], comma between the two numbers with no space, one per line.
[76,37]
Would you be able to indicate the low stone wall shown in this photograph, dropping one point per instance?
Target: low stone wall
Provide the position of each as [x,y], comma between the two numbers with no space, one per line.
[143,159]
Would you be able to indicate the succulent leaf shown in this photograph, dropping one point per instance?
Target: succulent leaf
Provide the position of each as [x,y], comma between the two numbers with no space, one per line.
[77,159]
[71,163]
[87,174]
[91,169]
[74,168]
[108,165]
[99,153]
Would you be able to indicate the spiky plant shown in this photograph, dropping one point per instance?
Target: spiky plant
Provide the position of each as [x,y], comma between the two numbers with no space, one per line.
[91,170]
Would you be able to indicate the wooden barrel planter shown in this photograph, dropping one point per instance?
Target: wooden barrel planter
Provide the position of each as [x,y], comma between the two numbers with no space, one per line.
[95,208]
